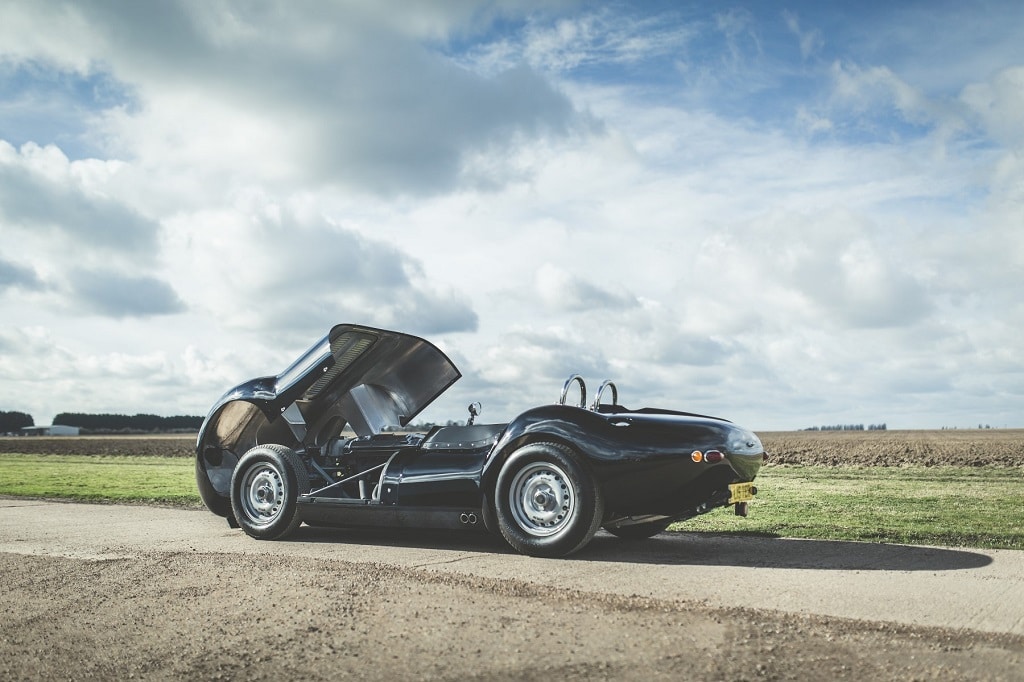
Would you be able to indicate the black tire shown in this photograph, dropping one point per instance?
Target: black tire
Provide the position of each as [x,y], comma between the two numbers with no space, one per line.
[264,488]
[546,501]
[640,531]
[489,517]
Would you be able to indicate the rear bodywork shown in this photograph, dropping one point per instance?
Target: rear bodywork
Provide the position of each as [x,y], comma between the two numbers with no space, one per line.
[342,405]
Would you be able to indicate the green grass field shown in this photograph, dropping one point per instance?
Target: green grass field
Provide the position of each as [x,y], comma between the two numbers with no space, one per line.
[949,506]
[100,479]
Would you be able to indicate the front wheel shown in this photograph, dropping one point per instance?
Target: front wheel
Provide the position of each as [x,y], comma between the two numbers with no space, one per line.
[546,501]
[265,487]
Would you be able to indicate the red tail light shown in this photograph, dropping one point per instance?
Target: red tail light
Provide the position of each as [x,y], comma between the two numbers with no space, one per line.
[713,456]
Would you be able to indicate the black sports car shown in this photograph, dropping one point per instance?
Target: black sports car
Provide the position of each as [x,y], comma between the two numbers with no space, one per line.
[273,453]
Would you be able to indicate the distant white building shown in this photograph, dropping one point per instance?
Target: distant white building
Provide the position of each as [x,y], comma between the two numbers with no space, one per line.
[55,430]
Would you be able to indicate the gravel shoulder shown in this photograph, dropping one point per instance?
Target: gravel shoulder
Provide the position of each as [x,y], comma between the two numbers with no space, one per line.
[112,592]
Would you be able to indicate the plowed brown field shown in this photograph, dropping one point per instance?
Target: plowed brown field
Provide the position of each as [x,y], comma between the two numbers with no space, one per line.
[145,446]
[981,447]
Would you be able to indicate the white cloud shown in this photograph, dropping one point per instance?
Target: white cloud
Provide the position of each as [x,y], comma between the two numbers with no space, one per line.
[824,267]
[117,295]
[40,191]
[584,39]
[16,276]
[296,91]
[562,291]
[678,200]
[998,103]
[260,265]
[811,40]
[868,89]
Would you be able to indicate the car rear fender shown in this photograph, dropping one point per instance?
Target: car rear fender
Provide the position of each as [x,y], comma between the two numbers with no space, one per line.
[560,424]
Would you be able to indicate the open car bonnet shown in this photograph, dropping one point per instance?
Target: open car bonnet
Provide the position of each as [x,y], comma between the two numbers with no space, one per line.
[369,378]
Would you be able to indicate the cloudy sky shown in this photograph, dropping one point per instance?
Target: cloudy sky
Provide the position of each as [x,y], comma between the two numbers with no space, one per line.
[784,213]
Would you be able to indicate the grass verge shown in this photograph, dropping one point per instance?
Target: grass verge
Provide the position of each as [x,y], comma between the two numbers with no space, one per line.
[949,506]
[100,479]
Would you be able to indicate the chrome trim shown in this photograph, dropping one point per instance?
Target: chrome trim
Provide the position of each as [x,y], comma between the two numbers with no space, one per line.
[262,494]
[583,390]
[597,396]
[541,499]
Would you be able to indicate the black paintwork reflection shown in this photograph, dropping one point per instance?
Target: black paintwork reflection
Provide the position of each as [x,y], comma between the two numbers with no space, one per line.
[641,458]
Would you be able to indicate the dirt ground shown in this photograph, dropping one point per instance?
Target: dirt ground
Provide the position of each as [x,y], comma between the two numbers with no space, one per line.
[184,615]
[264,614]
[960,447]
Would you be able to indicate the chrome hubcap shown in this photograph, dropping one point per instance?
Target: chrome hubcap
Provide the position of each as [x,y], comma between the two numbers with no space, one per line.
[541,499]
[263,494]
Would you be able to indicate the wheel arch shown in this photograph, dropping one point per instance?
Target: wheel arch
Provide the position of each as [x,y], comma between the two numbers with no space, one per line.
[550,424]
[492,468]
[231,429]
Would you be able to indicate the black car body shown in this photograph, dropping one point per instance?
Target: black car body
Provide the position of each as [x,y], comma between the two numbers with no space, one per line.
[273,453]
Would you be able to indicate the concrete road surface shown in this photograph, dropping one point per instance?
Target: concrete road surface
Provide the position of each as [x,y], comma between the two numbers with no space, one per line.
[969,589]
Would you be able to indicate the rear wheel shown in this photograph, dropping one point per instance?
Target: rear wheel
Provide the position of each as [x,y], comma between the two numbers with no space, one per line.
[640,531]
[264,491]
[546,501]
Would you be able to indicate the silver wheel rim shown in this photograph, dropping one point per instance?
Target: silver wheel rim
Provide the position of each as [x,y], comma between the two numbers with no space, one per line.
[263,494]
[542,499]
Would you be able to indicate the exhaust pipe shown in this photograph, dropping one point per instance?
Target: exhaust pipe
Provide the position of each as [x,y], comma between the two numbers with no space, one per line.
[467,519]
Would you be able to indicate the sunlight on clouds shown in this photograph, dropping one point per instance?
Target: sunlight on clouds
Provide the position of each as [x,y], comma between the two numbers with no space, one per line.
[811,122]
[868,93]
[261,265]
[48,197]
[587,39]
[60,34]
[209,370]
[822,267]
[779,214]
[541,357]
[999,103]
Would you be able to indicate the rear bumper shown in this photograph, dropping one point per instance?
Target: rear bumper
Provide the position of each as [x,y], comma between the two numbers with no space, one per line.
[708,491]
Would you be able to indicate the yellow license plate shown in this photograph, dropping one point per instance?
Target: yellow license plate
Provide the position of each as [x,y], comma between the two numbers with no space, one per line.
[741,492]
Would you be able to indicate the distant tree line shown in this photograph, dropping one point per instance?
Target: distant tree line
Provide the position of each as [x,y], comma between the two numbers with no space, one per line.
[100,423]
[848,427]
[11,422]
[426,426]
[980,426]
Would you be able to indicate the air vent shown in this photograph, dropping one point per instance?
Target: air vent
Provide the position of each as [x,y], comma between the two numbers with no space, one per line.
[346,349]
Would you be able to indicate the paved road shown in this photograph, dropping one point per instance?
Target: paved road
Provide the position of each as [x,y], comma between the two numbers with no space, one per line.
[980,590]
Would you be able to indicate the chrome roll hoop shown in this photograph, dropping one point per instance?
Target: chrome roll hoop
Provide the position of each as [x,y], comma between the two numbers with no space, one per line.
[594,406]
[583,390]
[607,383]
